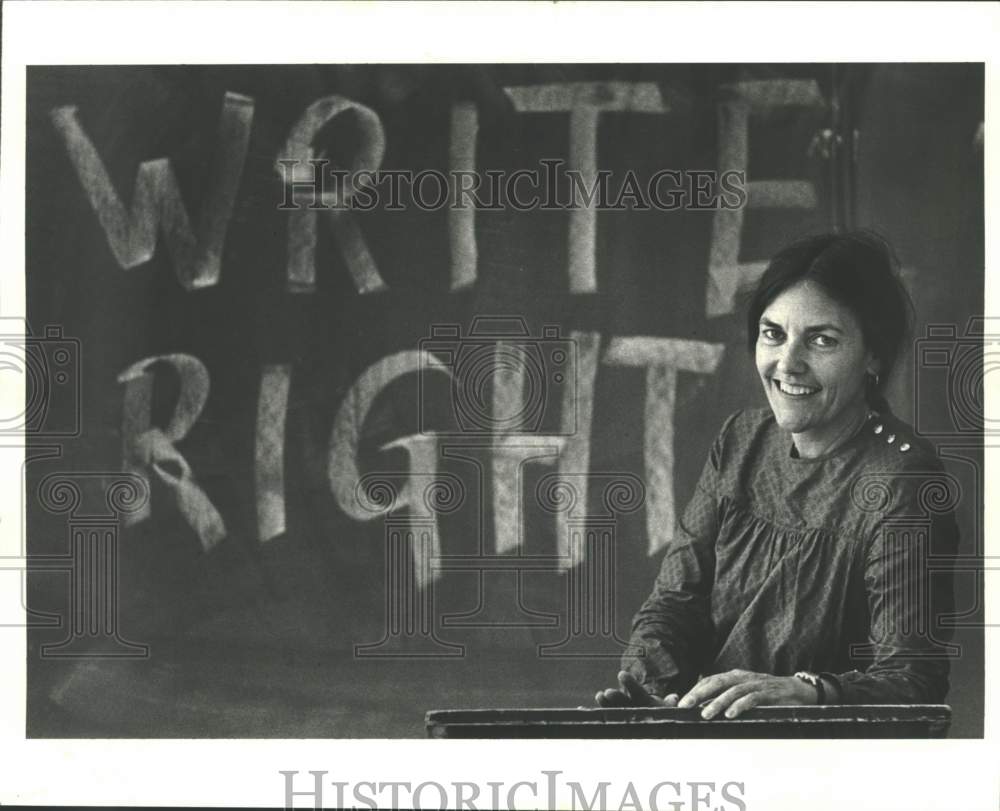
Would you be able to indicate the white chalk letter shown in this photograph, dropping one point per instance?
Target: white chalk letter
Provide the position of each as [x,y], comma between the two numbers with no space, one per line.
[156,198]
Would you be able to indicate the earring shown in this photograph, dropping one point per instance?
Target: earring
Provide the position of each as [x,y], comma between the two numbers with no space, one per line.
[874,376]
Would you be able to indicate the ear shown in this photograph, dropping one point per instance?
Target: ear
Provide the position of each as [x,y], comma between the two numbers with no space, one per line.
[872,365]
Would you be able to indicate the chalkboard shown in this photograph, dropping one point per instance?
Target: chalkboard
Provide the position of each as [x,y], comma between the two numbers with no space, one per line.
[412,439]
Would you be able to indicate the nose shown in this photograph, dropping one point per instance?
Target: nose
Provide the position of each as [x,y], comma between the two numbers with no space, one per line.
[791,360]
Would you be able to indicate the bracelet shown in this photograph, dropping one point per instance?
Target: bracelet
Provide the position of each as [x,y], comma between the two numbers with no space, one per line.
[815,681]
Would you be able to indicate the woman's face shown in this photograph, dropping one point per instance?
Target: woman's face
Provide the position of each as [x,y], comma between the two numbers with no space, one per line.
[812,360]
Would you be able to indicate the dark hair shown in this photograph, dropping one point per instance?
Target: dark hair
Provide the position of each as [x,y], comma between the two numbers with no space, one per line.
[856,269]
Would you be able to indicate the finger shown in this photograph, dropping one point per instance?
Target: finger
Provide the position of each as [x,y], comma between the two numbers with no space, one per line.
[667,701]
[728,697]
[622,699]
[741,705]
[635,692]
[711,686]
[704,689]
[612,698]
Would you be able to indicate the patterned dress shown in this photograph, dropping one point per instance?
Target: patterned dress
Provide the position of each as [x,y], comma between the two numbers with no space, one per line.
[836,564]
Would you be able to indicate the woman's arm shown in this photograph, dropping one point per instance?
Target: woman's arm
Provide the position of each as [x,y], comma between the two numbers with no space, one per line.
[673,630]
[906,598]
[673,627]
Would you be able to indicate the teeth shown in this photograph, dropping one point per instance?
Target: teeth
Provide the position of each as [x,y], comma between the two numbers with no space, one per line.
[795,391]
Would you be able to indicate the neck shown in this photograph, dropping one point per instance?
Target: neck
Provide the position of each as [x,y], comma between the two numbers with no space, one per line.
[818,442]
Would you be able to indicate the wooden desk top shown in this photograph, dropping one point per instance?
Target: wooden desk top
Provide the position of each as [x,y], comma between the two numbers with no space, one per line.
[828,721]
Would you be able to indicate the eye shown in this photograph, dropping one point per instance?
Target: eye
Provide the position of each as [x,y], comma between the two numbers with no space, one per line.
[771,335]
[825,341]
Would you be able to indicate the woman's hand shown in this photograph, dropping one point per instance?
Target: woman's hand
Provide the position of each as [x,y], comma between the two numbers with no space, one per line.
[736,691]
[632,694]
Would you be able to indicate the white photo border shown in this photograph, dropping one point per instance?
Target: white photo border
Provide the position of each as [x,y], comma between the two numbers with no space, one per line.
[819,775]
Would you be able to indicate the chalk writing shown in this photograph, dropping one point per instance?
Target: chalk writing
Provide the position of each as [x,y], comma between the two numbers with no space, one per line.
[157,205]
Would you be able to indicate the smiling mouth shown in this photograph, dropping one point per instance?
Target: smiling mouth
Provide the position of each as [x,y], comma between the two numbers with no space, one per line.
[794,390]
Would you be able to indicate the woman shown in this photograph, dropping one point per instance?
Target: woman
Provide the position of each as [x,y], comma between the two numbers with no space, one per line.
[797,574]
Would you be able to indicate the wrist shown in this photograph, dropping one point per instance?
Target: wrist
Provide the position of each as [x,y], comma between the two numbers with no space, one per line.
[813,689]
[808,693]
[832,685]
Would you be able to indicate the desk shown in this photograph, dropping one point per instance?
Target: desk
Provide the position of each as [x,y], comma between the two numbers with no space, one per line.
[828,721]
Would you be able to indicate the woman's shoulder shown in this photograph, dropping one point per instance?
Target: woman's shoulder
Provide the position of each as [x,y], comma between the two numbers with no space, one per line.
[901,476]
[895,446]
[900,473]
